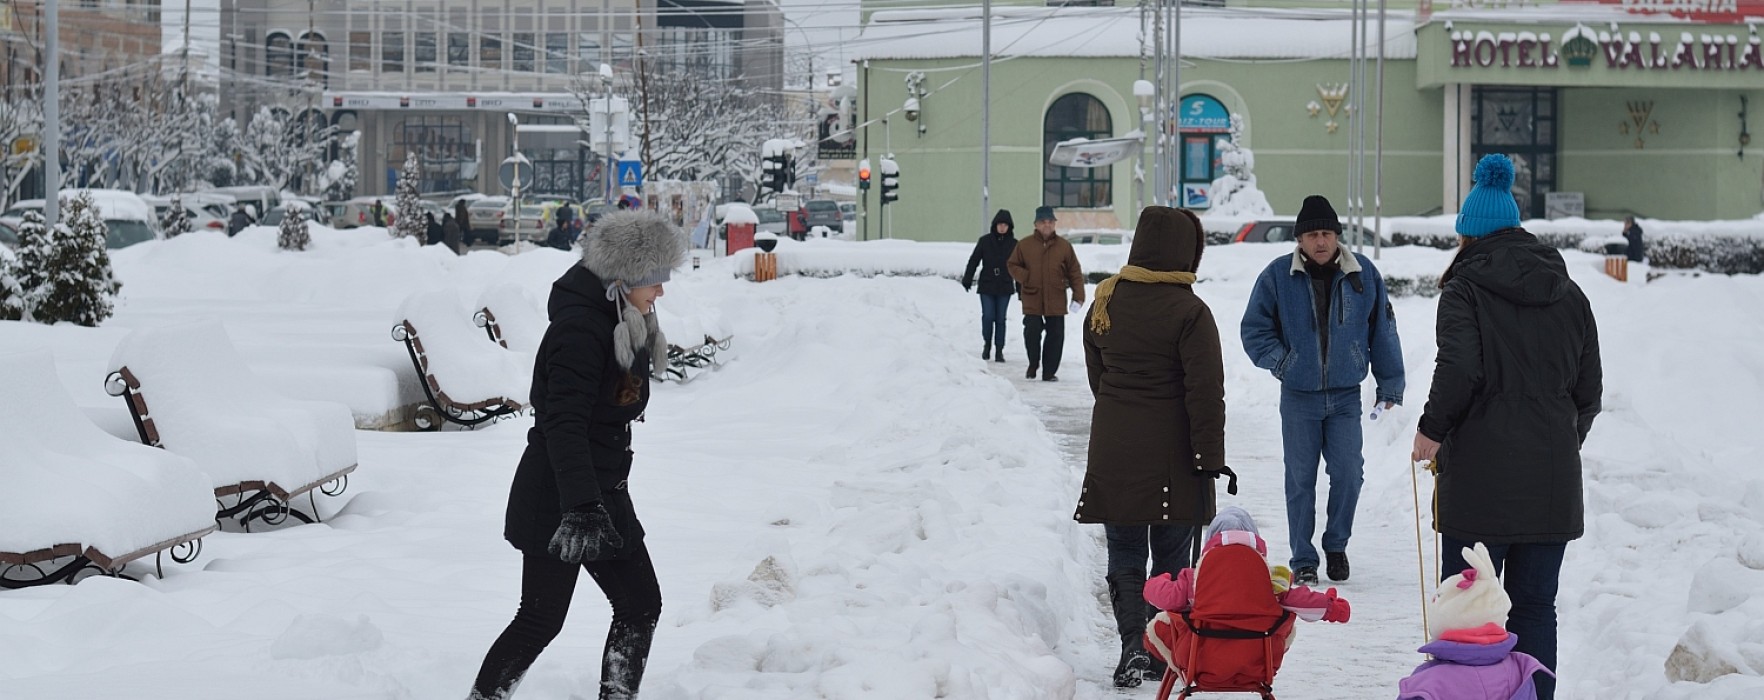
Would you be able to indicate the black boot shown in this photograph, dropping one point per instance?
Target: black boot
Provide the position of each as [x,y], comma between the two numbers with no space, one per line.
[1127,595]
[987,353]
[999,355]
[1032,368]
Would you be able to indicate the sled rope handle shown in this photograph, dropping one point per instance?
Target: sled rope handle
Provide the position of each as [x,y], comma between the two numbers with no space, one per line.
[1420,556]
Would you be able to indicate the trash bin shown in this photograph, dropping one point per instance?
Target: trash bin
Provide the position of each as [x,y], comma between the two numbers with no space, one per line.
[1617,259]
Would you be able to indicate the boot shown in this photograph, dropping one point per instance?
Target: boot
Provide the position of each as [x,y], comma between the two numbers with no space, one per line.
[1032,369]
[1127,595]
[998,356]
[987,353]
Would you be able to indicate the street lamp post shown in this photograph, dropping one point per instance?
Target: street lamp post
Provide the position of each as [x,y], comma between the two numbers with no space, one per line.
[612,164]
[514,124]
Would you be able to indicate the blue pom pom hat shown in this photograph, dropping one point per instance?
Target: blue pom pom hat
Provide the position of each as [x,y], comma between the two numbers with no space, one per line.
[1489,207]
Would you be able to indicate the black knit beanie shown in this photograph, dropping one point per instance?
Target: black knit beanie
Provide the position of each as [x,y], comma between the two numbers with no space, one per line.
[1316,215]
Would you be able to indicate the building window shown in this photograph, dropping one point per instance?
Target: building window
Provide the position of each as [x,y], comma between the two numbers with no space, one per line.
[459,49]
[361,52]
[557,53]
[445,150]
[315,58]
[424,59]
[588,53]
[1073,116]
[278,55]
[490,52]
[392,52]
[523,52]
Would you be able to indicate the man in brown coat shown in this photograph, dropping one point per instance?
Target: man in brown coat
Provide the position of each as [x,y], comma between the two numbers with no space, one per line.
[1045,265]
[1157,435]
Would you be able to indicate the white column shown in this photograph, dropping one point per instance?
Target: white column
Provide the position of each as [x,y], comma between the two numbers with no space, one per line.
[1456,147]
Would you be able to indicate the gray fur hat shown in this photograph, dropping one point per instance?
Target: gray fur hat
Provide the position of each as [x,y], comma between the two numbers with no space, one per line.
[626,250]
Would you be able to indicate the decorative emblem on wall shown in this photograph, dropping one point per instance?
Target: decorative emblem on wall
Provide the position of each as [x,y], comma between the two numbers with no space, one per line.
[1641,121]
[1333,94]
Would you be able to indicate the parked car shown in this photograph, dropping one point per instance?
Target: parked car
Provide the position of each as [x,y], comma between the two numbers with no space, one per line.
[128,219]
[824,212]
[9,234]
[772,220]
[532,225]
[275,215]
[258,199]
[358,212]
[1100,237]
[204,212]
[486,219]
[1280,231]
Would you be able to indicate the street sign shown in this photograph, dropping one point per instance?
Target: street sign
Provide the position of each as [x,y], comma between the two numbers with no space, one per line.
[630,173]
[507,173]
[812,178]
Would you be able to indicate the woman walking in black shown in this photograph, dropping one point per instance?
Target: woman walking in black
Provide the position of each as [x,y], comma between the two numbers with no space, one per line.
[570,507]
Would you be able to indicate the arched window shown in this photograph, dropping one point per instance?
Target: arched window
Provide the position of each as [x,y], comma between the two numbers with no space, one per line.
[315,57]
[1069,117]
[278,55]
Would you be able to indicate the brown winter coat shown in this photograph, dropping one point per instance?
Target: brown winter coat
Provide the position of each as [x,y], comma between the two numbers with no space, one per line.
[1158,428]
[1045,269]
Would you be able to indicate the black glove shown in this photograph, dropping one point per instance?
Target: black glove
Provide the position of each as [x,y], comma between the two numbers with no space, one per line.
[967,286]
[586,534]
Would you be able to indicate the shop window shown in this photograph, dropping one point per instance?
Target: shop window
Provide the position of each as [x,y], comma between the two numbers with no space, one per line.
[1521,123]
[1069,117]
[1203,124]
[445,148]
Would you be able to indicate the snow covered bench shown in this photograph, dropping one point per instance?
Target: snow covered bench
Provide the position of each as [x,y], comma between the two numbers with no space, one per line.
[466,380]
[521,325]
[261,450]
[73,498]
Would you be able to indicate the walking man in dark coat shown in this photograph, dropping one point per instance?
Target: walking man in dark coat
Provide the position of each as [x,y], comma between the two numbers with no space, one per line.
[1516,386]
[1045,266]
[991,254]
[1632,232]
[238,221]
[1157,433]
[1316,318]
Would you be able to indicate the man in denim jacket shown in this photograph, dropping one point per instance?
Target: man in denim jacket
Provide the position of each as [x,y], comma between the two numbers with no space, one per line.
[1316,319]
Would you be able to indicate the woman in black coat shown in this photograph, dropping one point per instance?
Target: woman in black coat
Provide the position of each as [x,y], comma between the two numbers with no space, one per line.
[991,253]
[570,505]
[1515,390]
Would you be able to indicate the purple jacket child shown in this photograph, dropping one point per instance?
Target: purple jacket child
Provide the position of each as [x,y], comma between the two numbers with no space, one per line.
[1477,664]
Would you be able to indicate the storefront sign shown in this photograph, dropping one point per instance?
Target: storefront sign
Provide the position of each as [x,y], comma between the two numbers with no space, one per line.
[1581,47]
[542,102]
[1085,153]
[1717,11]
[1203,113]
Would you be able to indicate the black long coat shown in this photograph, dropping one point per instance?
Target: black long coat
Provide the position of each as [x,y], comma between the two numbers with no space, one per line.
[579,449]
[991,253]
[1515,390]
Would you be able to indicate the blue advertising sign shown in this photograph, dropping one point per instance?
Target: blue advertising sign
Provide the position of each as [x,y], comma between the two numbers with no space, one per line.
[1203,113]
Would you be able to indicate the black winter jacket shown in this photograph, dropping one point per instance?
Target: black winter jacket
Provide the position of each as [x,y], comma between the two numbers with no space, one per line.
[579,449]
[1515,390]
[991,253]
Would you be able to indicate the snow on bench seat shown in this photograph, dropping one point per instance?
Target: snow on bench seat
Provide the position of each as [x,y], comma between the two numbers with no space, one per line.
[199,400]
[67,488]
[468,377]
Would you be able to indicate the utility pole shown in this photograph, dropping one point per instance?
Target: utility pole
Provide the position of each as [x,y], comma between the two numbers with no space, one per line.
[1175,117]
[1378,138]
[51,143]
[985,113]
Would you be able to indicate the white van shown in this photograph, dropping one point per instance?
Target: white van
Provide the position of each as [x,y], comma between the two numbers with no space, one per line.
[258,199]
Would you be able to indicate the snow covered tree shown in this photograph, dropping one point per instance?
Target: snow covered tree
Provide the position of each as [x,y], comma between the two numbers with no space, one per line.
[177,220]
[293,234]
[21,278]
[699,127]
[339,178]
[408,206]
[19,116]
[62,274]
[1235,193]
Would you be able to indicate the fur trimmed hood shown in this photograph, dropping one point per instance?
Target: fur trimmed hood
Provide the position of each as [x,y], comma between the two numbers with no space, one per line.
[629,246]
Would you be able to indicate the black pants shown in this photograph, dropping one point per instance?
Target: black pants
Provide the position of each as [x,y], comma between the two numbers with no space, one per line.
[1047,356]
[547,585]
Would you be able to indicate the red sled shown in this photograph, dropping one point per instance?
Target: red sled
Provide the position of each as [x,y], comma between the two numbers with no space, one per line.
[1234,638]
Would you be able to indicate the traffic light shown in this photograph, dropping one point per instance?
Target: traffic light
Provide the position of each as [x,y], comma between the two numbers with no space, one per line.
[773,177]
[864,174]
[890,181]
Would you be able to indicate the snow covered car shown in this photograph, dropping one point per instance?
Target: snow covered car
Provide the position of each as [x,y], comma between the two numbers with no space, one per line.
[127,218]
[205,212]
[1280,231]
[1100,237]
[275,216]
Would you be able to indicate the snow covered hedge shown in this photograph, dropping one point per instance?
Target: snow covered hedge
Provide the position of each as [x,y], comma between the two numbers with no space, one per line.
[1728,248]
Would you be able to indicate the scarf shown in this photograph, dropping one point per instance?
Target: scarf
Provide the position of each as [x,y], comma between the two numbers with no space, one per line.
[636,331]
[1099,311]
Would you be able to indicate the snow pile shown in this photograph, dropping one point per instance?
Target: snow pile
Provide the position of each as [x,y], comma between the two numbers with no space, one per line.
[469,367]
[66,481]
[740,214]
[210,407]
[519,314]
[1235,193]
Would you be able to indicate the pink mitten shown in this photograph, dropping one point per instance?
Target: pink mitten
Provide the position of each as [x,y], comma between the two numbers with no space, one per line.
[1339,610]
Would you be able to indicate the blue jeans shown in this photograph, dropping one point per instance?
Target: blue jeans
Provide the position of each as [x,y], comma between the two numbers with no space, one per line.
[1167,545]
[1325,423]
[992,318]
[1533,572]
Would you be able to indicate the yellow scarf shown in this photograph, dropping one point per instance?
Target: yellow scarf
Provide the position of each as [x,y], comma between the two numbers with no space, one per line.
[1099,311]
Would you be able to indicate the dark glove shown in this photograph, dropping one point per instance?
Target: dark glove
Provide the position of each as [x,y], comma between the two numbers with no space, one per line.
[967,285]
[586,534]
[1231,476]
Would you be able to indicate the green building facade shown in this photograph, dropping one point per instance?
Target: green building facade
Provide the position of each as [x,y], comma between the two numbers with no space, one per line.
[1636,113]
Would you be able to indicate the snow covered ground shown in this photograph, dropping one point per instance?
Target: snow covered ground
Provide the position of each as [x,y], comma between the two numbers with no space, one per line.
[856,506]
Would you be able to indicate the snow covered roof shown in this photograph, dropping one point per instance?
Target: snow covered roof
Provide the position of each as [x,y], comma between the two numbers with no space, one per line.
[1217,33]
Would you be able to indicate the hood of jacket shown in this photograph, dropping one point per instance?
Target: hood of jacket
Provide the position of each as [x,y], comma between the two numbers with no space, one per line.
[579,291]
[1471,654]
[1003,217]
[1167,240]
[1514,266]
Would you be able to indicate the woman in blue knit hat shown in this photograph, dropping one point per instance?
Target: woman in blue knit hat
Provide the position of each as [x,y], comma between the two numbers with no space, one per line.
[1515,389]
